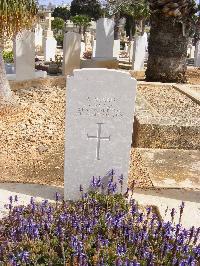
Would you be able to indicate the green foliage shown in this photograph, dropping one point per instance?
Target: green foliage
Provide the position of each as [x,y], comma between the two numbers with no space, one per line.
[138,9]
[58,24]
[8,56]
[90,8]
[99,229]
[61,12]
[60,38]
[15,15]
[81,21]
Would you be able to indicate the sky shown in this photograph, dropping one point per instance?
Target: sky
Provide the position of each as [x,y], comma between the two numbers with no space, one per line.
[55,2]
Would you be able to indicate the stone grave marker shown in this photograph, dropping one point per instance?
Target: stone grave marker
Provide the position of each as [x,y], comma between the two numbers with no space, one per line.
[139,52]
[38,37]
[99,124]
[116,49]
[104,38]
[71,52]
[24,53]
[197,55]
[49,42]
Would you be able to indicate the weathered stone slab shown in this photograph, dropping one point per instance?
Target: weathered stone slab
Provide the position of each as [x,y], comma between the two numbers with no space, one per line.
[165,199]
[71,52]
[197,55]
[25,55]
[116,49]
[139,52]
[100,63]
[191,91]
[99,125]
[171,168]
[104,38]
[50,45]
[166,118]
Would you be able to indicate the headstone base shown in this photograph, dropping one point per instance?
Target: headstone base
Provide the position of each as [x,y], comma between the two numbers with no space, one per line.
[38,74]
[99,62]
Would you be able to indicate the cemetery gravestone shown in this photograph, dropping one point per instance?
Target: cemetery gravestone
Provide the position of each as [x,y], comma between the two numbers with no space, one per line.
[49,41]
[116,49]
[94,48]
[38,37]
[83,48]
[25,55]
[139,52]
[197,55]
[104,38]
[99,124]
[71,52]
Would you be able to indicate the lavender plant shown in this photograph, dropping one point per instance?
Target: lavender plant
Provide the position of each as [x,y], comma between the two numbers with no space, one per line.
[99,229]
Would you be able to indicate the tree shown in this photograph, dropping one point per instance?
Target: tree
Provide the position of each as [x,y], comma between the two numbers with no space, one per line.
[133,10]
[58,24]
[61,12]
[171,23]
[90,8]
[82,22]
[15,15]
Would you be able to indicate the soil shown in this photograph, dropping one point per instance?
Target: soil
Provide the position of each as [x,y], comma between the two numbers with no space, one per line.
[32,136]
[192,75]
[170,103]
[32,139]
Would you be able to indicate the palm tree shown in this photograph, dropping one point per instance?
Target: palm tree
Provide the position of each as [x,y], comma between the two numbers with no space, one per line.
[171,23]
[15,15]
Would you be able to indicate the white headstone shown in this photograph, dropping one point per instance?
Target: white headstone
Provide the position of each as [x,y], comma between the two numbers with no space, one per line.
[25,55]
[139,52]
[49,19]
[94,48]
[116,49]
[197,55]
[71,52]
[130,50]
[83,48]
[50,45]
[38,36]
[104,38]
[99,126]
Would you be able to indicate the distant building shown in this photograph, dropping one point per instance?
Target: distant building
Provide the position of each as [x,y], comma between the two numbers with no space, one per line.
[49,7]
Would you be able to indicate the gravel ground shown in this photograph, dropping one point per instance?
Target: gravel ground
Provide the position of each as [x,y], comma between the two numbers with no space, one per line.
[168,102]
[32,139]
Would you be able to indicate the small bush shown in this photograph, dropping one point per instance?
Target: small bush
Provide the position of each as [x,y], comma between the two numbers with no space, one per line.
[8,56]
[60,39]
[87,55]
[98,229]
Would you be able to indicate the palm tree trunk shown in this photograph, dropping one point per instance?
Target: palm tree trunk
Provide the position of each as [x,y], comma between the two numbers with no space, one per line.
[167,50]
[5,91]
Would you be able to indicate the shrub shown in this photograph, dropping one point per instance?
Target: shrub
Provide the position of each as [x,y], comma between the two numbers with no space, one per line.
[60,39]
[8,56]
[99,229]
[87,55]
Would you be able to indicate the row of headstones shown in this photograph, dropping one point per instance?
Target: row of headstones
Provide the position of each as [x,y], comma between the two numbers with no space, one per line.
[45,42]
[106,48]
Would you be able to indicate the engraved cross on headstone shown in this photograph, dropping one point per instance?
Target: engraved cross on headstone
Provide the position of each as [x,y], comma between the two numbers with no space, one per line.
[98,138]
[49,18]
